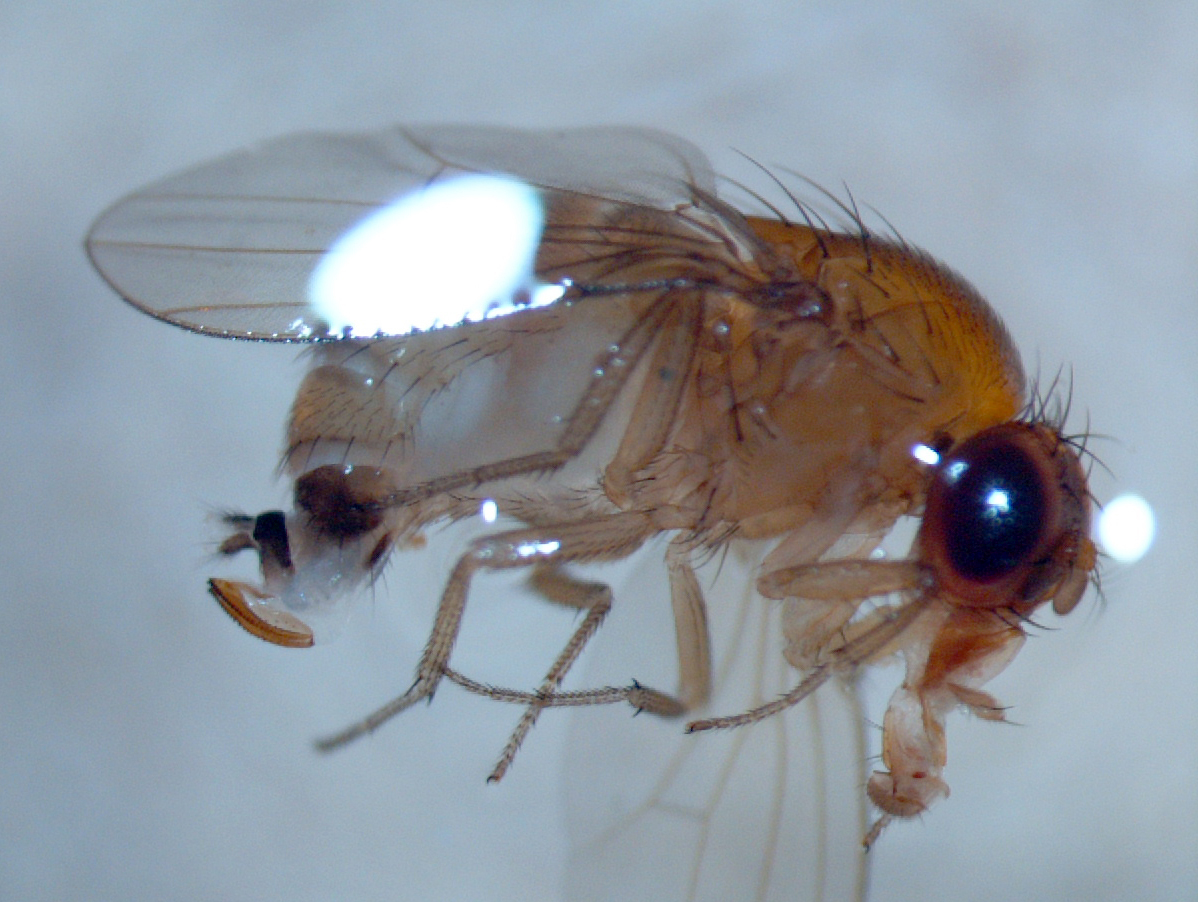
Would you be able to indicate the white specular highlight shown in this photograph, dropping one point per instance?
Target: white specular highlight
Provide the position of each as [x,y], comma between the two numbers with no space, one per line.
[460,250]
[1127,528]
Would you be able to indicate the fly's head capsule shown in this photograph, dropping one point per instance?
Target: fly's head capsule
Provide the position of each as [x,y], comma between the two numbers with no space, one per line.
[1007,521]
[1006,528]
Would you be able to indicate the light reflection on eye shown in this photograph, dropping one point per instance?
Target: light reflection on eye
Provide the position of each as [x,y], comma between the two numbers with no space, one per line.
[998,503]
[458,251]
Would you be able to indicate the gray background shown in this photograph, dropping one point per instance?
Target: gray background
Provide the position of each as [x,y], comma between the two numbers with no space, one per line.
[150,750]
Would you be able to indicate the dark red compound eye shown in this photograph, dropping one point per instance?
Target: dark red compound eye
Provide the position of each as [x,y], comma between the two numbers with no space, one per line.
[1000,506]
[994,509]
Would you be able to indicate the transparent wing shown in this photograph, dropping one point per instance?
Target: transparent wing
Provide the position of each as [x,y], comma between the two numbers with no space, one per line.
[233,247]
[769,812]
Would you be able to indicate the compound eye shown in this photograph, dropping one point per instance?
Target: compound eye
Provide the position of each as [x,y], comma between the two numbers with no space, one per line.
[992,512]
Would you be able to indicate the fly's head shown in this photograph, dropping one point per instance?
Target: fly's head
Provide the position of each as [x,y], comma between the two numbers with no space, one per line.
[313,559]
[1006,529]
[1007,521]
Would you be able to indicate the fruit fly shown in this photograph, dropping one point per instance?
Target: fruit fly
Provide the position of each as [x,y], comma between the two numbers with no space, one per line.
[573,332]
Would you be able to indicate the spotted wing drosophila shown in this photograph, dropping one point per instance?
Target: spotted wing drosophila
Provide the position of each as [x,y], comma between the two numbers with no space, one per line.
[573,329]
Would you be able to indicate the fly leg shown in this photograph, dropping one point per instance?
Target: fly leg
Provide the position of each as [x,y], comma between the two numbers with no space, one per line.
[555,585]
[845,647]
[694,652]
[604,538]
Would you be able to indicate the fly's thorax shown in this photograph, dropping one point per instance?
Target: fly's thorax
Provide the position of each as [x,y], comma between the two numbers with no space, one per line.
[794,415]
[918,322]
[811,392]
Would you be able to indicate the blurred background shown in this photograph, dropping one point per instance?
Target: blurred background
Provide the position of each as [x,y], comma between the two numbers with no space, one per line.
[149,749]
